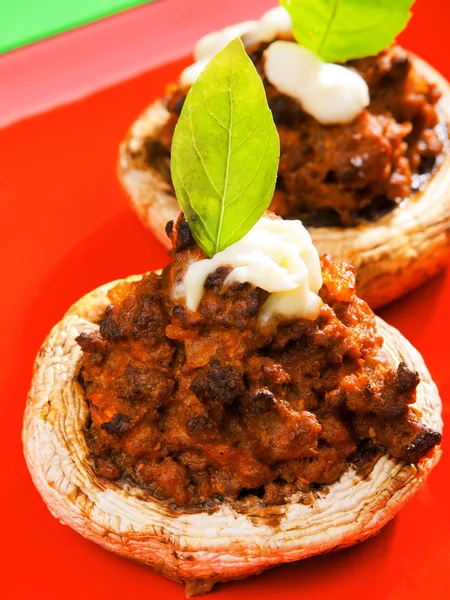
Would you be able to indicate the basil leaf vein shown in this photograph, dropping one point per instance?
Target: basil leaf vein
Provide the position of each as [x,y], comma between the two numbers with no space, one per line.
[340,30]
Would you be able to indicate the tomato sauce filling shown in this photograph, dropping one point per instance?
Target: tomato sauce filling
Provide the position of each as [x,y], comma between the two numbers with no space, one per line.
[197,408]
[340,175]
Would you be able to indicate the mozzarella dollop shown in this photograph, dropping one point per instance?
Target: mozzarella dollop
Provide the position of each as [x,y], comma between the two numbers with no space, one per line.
[275,255]
[330,93]
[273,22]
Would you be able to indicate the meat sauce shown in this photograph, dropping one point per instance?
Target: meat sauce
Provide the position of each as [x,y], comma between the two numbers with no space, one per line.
[195,408]
[342,174]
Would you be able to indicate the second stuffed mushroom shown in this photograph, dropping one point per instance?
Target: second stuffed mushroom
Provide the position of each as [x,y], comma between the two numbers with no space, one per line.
[364,154]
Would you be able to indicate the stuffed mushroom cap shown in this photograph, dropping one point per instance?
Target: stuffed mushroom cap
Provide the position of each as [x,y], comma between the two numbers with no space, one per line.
[392,254]
[200,547]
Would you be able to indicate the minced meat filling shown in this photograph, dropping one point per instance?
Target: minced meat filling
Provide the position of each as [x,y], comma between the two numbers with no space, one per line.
[341,174]
[200,407]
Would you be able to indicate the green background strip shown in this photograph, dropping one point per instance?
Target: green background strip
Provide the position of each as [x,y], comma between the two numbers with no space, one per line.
[26,21]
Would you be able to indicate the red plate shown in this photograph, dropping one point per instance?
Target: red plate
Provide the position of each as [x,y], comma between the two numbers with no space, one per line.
[66,228]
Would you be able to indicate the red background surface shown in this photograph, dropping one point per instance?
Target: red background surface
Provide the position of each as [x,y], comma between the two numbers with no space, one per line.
[66,228]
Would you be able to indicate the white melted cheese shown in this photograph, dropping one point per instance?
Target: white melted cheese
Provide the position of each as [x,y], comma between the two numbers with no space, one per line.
[330,93]
[212,43]
[277,256]
[274,22]
[209,45]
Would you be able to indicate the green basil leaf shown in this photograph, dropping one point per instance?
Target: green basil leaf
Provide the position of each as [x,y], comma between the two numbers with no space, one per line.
[225,151]
[339,30]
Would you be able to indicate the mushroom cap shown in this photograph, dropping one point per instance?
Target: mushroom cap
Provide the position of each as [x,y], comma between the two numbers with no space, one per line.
[199,547]
[392,255]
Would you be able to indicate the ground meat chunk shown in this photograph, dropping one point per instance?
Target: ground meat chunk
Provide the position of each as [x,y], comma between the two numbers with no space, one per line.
[218,382]
[341,174]
[198,407]
[180,235]
[407,380]
[119,424]
[107,468]
[168,478]
[139,384]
